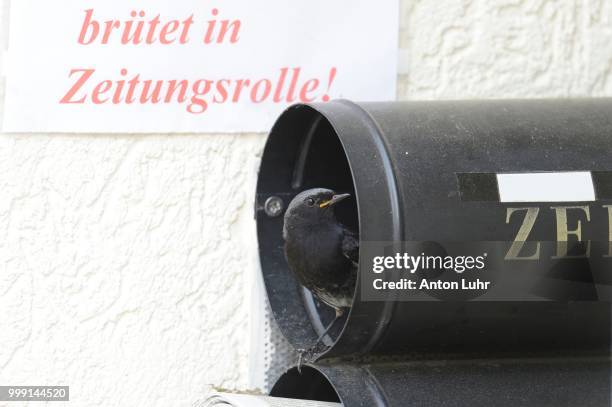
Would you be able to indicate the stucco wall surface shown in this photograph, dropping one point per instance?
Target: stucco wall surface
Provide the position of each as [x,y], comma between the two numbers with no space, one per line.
[128,262]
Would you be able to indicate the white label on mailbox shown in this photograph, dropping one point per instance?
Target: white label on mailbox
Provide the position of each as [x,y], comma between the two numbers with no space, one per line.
[546,187]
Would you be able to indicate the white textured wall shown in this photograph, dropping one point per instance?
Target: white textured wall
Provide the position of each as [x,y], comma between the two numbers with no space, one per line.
[506,48]
[127,262]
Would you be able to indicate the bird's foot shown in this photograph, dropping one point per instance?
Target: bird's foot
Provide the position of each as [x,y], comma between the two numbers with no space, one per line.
[306,354]
[300,359]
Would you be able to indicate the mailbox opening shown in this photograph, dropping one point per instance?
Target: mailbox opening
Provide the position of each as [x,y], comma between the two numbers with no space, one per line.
[309,384]
[303,151]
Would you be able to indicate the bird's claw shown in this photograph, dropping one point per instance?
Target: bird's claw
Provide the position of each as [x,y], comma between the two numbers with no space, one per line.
[312,351]
[300,359]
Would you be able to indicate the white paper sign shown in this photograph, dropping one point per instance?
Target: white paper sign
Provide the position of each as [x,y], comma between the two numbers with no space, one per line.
[191,65]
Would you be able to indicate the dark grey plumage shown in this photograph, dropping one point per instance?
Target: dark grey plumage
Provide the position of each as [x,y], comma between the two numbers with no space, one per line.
[321,252]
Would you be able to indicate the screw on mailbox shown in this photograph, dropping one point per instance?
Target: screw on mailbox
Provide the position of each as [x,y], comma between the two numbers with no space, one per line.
[274,206]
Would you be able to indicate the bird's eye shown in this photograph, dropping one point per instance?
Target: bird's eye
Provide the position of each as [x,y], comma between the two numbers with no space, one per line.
[310,201]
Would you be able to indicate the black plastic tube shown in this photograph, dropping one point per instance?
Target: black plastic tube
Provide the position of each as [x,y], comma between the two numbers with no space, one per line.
[402,162]
[500,383]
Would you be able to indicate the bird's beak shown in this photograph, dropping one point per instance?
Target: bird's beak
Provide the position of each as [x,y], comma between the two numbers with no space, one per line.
[335,199]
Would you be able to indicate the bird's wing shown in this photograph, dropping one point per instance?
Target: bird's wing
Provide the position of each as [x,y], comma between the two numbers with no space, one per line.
[350,246]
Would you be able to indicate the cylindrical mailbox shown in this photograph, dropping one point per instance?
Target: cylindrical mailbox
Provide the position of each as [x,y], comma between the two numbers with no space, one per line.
[429,171]
[511,383]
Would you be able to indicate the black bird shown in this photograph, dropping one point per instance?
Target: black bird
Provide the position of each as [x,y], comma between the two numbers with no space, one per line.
[321,252]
